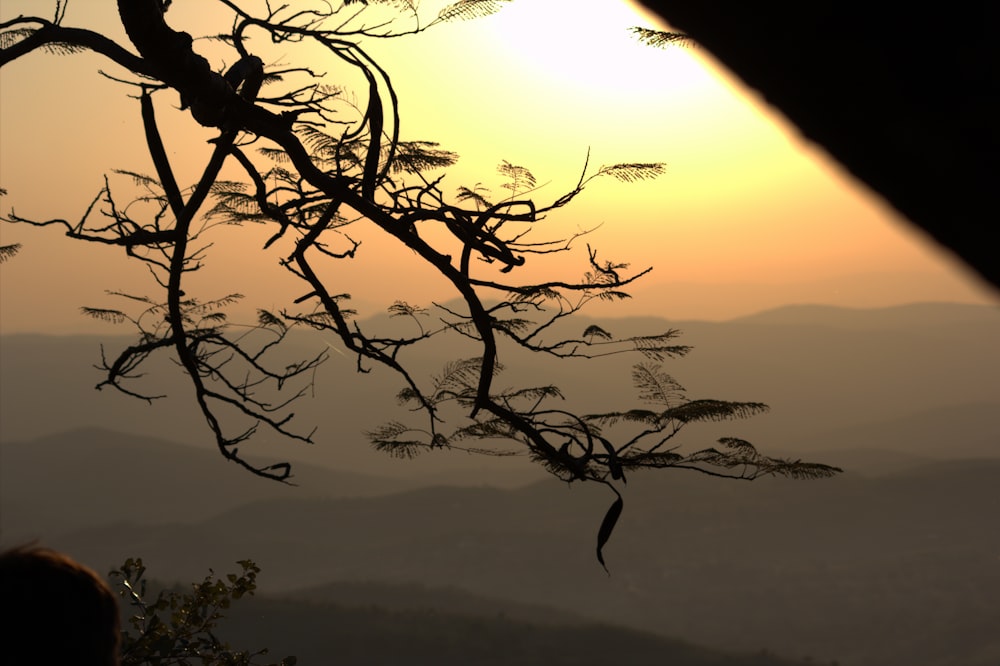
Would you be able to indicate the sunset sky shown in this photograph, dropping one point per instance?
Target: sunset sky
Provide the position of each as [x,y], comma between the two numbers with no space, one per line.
[748,215]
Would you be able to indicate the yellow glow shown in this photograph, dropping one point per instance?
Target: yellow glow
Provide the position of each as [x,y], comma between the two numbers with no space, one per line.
[566,48]
[744,201]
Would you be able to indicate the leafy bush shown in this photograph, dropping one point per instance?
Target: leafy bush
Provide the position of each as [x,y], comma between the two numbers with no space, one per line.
[178,627]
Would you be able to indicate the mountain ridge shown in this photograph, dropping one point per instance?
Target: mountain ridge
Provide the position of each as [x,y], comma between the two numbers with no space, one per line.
[816,379]
[690,555]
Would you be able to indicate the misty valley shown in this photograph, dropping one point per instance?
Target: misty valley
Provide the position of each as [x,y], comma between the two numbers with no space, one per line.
[455,558]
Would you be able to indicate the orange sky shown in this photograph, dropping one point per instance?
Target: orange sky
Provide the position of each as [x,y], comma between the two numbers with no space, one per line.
[746,217]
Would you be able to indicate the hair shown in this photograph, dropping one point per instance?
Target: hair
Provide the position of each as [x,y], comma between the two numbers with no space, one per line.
[55,611]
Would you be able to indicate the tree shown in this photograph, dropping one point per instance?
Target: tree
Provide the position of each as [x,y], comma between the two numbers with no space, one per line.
[312,176]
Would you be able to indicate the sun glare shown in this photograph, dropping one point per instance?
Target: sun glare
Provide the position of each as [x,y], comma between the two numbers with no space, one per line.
[563,46]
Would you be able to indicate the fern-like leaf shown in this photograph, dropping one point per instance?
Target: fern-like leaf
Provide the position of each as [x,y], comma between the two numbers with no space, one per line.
[63,48]
[319,143]
[649,460]
[595,331]
[417,156]
[796,469]
[521,179]
[535,295]
[104,314]
[739,445]
[634,171]
[404,309]
[715,410]
[277,155]
[464,10]
[223,187]
[10,37]
[386,438]
[8,251]
[656,386]
[489,429]
[657,347]
[533,393]
[661,39]
[400,448]
[512,325]
[465,194]
[270,320]
[141,179]
[643,416]
[408,395]
[197,307]
[459,376]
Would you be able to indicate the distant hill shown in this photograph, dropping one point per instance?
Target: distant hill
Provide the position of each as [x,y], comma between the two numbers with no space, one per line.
[951,432]
[93,476]
[821,369]
[893,563]
[327,633]
[900,316]
[898,570]
[415,596]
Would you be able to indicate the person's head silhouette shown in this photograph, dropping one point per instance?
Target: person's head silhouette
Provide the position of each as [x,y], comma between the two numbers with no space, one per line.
[55,611]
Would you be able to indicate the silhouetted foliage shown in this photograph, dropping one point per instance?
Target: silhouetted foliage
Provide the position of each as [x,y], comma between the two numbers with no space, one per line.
[8,251]
[661,38]
[316,163]
[179,627]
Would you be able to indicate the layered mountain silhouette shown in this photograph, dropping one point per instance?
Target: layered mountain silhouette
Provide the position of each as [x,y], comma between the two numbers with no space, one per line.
[821,369]
[898,568]
[893,562]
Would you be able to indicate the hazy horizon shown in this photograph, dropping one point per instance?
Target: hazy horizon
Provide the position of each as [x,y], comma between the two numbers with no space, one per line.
[823,370]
